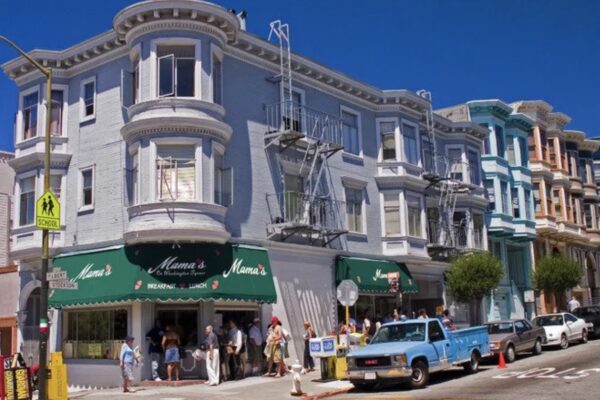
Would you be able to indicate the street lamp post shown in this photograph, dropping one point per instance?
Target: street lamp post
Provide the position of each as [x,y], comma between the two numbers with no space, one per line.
[43,373]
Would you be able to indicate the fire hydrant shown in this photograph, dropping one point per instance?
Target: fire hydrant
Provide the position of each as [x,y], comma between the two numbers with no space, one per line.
[296,379]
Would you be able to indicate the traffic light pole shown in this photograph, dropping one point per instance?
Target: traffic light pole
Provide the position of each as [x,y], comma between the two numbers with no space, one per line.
[43,360]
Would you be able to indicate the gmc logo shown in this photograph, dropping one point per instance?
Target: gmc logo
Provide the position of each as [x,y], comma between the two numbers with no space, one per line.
[371,362]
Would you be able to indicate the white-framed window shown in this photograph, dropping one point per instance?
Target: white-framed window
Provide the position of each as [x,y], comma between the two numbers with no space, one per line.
[136,78]
[176,70]
[510,150]
[387,135]
[223,179]
[474,167]
[410,144]
[87,100]
[391,214]
[427,150]
[133,176]
[499,133]
[351,132]
[528,206]
[27,201]
[175,172]
[478,228]
[413,216]
[86,191]
[56,185]
[488,184]
[354,209]
[217,76]
[516,210]
[29,113]
[506,209]
[455,163]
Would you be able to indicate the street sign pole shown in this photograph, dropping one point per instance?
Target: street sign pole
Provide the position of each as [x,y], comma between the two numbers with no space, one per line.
[347,317]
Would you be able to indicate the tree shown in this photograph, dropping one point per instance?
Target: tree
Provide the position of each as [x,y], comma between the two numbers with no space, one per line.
[556,273]
[471,277]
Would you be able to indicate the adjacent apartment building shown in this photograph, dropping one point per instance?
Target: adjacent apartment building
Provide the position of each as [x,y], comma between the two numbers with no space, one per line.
[207,175]
[9,292]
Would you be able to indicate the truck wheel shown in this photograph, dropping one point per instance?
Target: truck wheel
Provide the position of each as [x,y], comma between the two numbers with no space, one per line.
[564,342]
[420,375]
[584,336]
[509,355]
[472,366]
[364,386]
[537,348]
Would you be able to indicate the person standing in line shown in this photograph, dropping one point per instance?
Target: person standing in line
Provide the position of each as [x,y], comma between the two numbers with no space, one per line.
[309,362]
[223,337]
[255,342]
[155,336]
[236,341]
[126,360]
[573,304]
[422,314]
[366,328]
[212,356]
[170,344]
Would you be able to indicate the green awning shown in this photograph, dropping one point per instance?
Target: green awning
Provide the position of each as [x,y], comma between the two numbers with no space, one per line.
[165,272]
[371,276]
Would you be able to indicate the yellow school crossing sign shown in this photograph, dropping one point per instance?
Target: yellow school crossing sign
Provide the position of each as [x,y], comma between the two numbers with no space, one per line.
[47,212]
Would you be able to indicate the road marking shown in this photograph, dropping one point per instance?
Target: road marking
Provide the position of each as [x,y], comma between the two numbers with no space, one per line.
[547,373]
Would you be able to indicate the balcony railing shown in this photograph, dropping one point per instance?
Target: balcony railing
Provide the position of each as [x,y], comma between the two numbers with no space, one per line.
[296,210]
[291,117]
[454,237]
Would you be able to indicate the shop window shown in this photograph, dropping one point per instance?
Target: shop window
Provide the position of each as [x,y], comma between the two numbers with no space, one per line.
[176,70]
[387,130]
[27,201]
[30,115]
[350,132]
[175,172]
[223,181]
[489,189]
[354,209]
[391,212]
[88,99]
[413,212]
[409,135]
[95,334]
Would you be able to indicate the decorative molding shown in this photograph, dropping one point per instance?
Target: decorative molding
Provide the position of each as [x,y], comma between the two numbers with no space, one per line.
[176,125]
[163,25]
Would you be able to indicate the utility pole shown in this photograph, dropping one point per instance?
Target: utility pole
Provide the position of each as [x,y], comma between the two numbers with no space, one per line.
[44,329]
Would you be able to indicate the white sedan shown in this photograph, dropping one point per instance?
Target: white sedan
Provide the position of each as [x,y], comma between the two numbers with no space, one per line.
[562,328]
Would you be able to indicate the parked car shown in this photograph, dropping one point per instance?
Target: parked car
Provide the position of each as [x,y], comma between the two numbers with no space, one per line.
[562,328]
[411,350]
[515,336]
[591,315]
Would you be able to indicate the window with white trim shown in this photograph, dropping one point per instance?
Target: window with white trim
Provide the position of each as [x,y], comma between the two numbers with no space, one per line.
[537,200]
[427,150]
[411,152]
[413,216]
[27,201]
[223,181]
[474,169]
[505,198]
[133,180]
[510,150]
[456,164]
[175,172]
[354,209]
[30,115]
[217,78]
[88,99]
[391,213]
[387,130]
[516,212]
[488,184]
[589,220]
[135,80]
[478,227]
[528,211]
[56,184]
[176,70]
[56,114]
[350,133]
[87,188]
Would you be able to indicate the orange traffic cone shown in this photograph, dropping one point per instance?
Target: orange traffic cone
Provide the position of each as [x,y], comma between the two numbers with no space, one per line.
[501,363]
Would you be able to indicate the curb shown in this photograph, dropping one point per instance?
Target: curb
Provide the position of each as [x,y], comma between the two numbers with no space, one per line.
[324,395]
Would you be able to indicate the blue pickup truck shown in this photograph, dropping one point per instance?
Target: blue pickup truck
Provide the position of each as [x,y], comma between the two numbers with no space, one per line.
[411,350]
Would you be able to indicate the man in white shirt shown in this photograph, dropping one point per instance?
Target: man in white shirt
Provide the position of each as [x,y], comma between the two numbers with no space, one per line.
[255,345]
[573,304]
[236,339]
[366,324]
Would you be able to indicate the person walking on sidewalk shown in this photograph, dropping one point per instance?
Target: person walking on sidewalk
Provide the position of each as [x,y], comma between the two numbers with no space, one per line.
[212,356]
[170,344]
[126,360]
[309,333]
[155,349]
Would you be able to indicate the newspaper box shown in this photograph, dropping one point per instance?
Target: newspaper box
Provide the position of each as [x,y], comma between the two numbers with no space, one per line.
[323,347]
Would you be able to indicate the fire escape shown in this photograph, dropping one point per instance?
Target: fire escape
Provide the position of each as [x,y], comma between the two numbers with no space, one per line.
[305,209]
[447,229]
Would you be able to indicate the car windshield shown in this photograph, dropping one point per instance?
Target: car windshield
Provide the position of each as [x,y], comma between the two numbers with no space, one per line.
[549,320]
[407,332]
[500,327]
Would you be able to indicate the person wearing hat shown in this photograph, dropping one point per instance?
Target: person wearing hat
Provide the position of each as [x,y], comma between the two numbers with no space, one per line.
[126,359]
[255,343]
[274,348]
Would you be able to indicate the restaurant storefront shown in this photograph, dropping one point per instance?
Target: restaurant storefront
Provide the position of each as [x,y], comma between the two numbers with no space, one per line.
[381,284]
[124,290]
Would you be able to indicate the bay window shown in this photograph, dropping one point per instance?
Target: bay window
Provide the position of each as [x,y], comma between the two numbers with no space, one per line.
[478,227]
[427,150]
[56,116]
[354,209]
[176,70]
[350,133]
[474,174]
[499,131]
[27,201]
[409,134]
[528,205]
[96,334]
[583,170]
[30,115]
[549,199]
[557,204]
[537,200]
[489,189]
[523,151]
[387,130]
[589,220]
[133,181]
[505,198]
[413,213]
[176,172]
[223,181]
[455,163]
[510,150]
[391,212]
[217,79]
[516,212]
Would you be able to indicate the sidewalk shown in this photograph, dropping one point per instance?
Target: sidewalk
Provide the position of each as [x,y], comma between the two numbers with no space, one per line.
[258,388]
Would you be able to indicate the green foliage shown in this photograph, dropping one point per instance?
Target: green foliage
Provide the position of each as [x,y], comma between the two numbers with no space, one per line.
[472,276]
[556,273]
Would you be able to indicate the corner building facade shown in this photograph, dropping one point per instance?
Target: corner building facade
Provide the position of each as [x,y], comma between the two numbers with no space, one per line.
[193,192]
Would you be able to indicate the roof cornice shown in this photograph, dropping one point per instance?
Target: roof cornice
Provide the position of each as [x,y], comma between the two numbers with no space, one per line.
[495,107]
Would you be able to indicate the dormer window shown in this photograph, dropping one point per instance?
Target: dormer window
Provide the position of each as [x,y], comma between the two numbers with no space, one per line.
[176,66]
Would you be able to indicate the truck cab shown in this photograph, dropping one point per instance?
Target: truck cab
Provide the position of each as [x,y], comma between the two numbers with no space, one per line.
[411,350]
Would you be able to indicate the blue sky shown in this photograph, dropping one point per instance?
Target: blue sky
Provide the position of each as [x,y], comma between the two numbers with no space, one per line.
[460,50]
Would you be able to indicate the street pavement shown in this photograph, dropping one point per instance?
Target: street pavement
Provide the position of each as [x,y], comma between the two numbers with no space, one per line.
[555,374]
